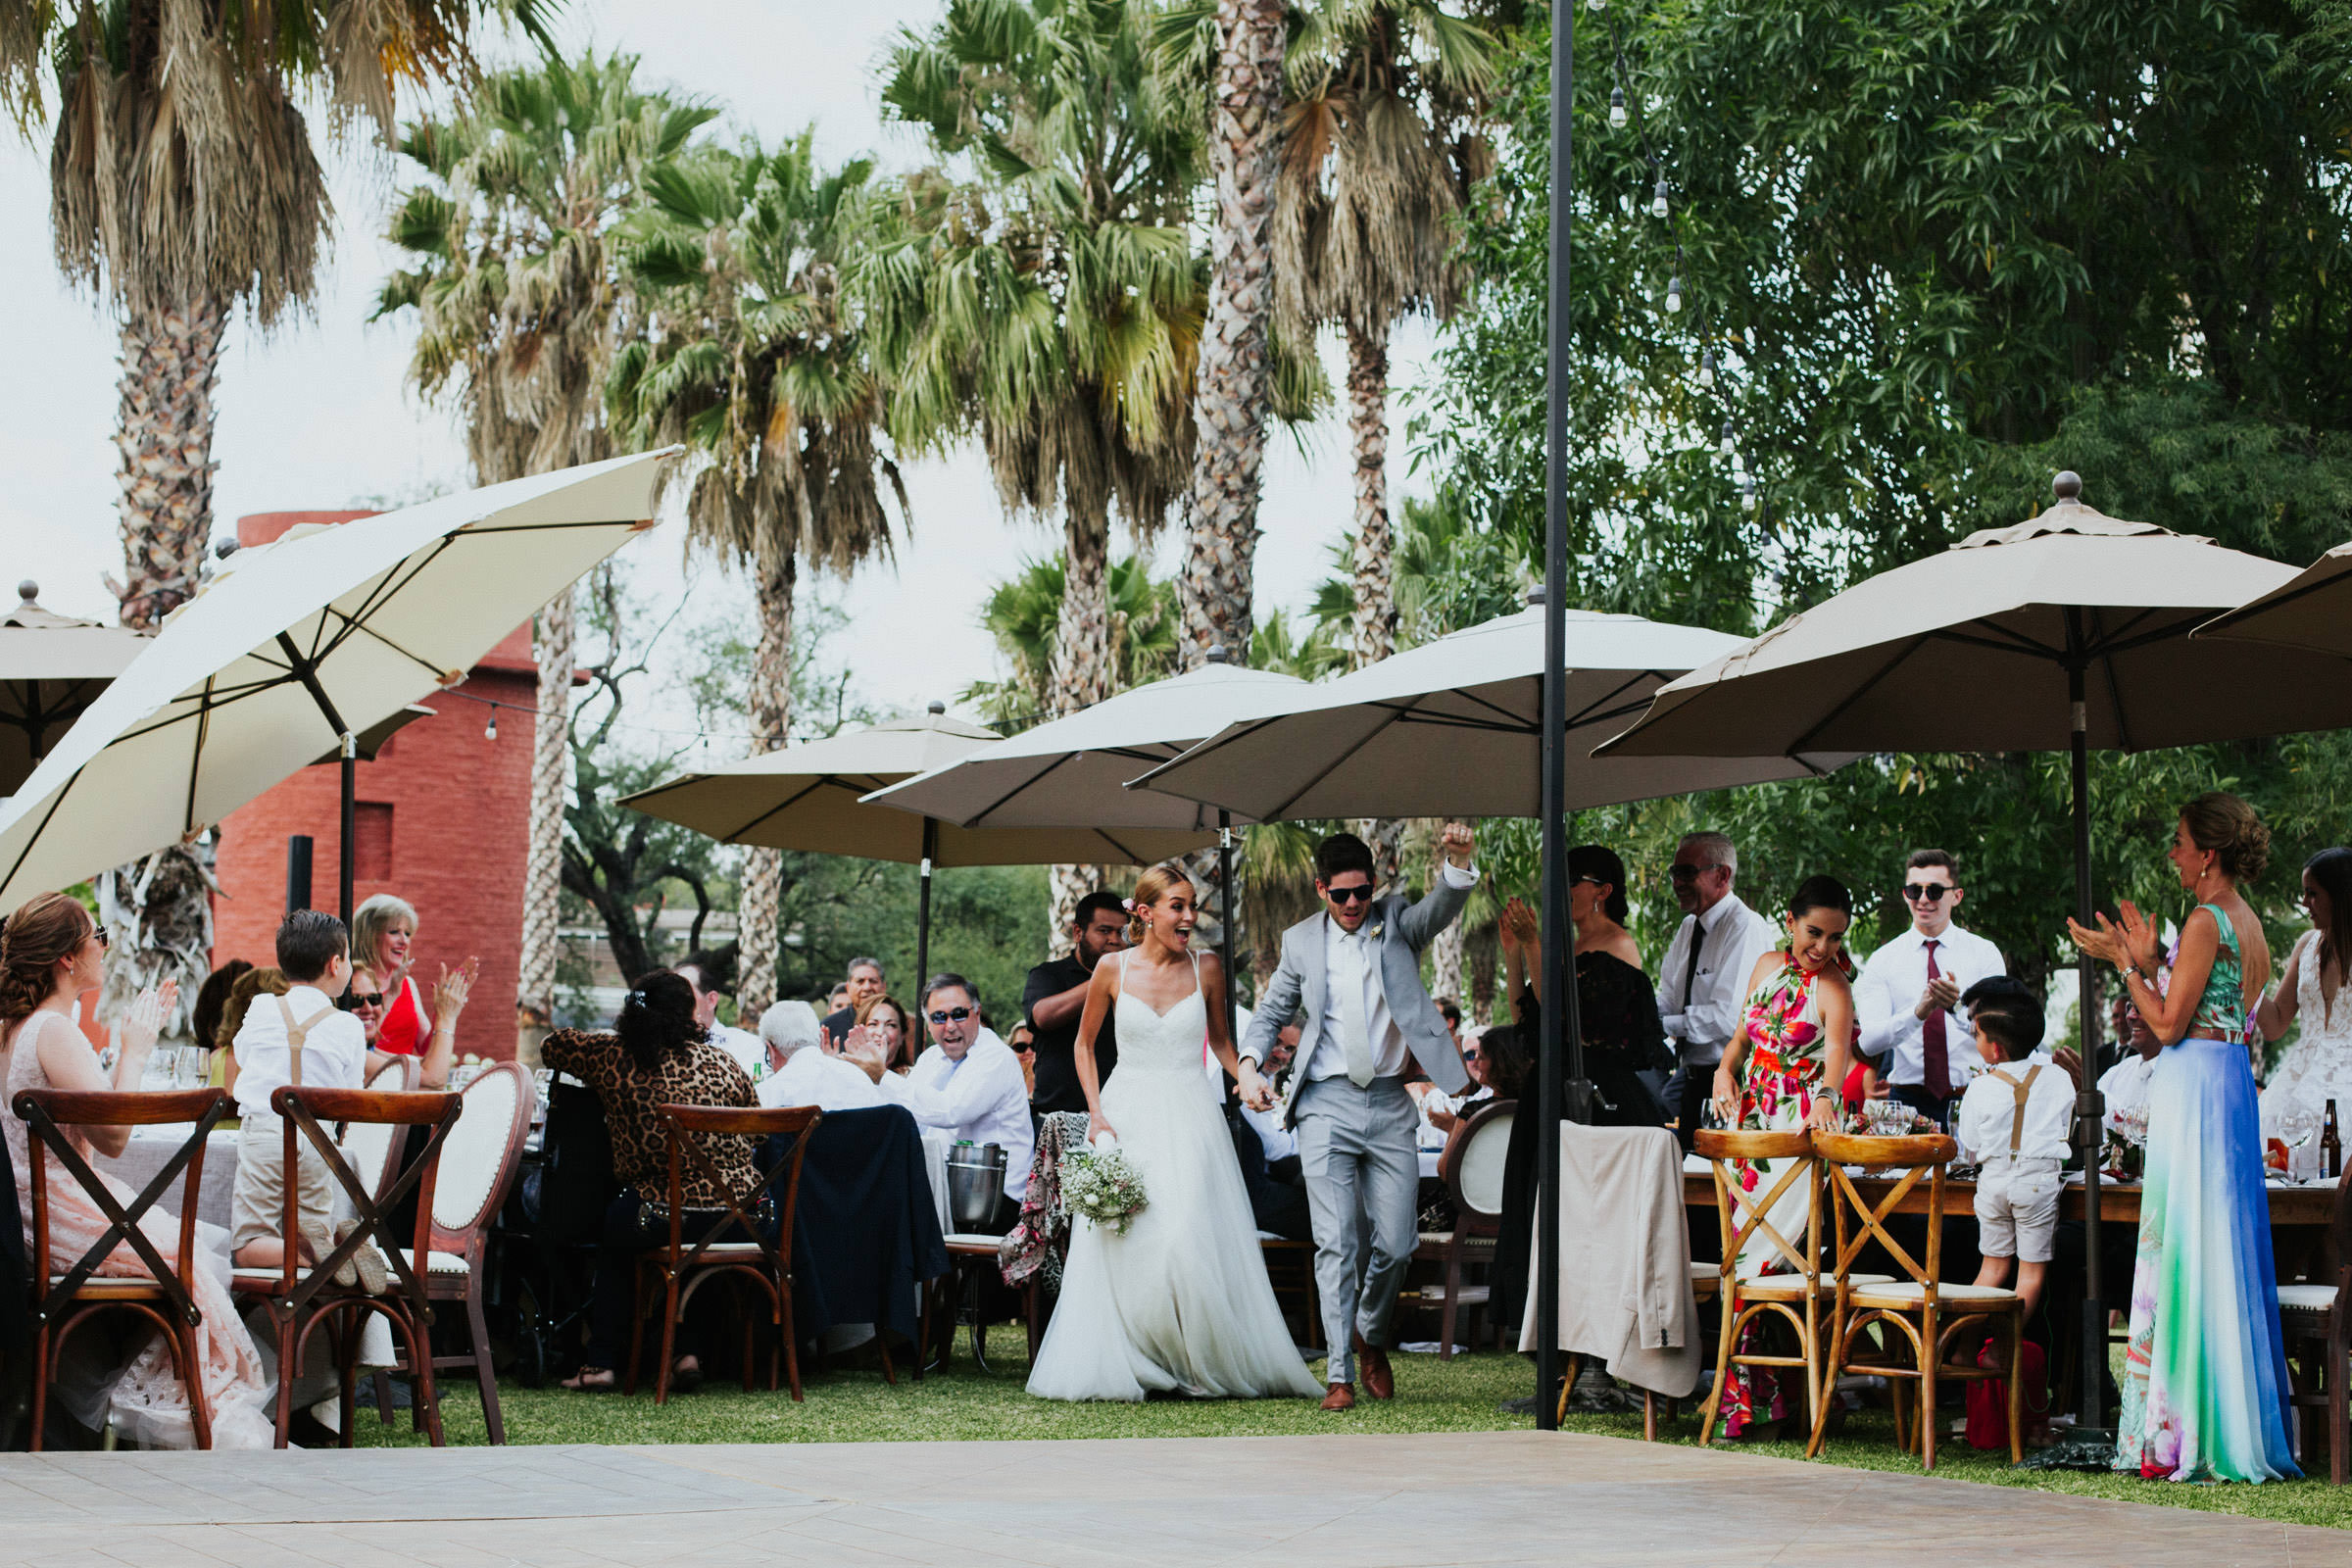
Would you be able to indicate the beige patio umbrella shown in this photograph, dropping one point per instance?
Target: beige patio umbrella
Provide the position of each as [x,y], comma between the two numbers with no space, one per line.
[301,645]
[1454,728]
[2311,610]
[2067,632]
[812,797]
[52,667]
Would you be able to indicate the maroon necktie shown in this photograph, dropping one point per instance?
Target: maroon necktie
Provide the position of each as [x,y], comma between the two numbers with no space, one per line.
[1937,1077]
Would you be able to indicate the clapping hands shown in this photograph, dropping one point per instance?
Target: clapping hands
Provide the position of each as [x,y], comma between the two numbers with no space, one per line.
[455,985]
[143,1024]
[2128,940]
[1517,927]
[865,1048]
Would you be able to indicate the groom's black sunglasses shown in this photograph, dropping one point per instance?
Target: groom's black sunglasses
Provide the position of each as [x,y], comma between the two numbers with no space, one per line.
[1349,895]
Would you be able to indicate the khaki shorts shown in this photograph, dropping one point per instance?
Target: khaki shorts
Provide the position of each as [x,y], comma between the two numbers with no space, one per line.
[2017,1208]
[258,1212]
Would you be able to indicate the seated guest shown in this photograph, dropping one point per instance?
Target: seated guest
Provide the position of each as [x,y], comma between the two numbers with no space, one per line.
[866,979]
[1056,995]
[1451,1011]
[969,1082]
[656,1055]
[1907,996]
[300,1039]
[383,937]
[2013,1121]
[704,975]
[1446,1112]
[804,1071]
[889,1029]
[51,952]
[2318,1067]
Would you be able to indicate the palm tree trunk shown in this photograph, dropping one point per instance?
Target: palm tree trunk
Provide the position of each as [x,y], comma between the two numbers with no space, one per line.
[1082,675]
[758,935]
[1230,393]
[1375,543]
[543,867]
[158,910]
[164,432]
[1446,964]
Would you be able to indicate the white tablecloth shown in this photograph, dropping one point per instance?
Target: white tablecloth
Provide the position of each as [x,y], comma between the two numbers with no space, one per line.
[151,1147]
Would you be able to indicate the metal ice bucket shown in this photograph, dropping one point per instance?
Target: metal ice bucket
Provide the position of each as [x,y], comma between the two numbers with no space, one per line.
[975,1183]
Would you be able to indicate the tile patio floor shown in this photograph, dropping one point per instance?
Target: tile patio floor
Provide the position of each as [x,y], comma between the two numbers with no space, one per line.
[1366,1501]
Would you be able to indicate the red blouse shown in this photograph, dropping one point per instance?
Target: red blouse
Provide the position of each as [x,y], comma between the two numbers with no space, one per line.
[404,1027]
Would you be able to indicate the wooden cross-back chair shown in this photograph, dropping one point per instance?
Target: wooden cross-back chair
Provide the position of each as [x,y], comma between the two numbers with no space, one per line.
[2315,1322]
[1792,1293]
[298,1299]
[161,1294]
[1917,1310]
[735,1244]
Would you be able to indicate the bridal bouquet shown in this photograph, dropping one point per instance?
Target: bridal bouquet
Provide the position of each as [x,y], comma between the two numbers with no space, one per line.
[1100,1185]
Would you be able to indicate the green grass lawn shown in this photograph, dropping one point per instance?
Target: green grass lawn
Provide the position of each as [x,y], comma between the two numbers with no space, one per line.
[963,1402]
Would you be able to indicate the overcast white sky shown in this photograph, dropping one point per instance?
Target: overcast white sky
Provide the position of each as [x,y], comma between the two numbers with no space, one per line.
[319,416]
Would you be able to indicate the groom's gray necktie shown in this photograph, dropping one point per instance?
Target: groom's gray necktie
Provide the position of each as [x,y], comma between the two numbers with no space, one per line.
[1355,1034]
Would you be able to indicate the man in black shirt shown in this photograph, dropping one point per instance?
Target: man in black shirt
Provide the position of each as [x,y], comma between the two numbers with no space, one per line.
[1055,1000]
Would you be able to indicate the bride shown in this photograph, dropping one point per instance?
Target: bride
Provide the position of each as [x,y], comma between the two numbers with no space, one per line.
[1180,1302]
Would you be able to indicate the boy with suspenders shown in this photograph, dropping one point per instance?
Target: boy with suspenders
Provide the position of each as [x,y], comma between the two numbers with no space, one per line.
[2013,1121]
[300,1037]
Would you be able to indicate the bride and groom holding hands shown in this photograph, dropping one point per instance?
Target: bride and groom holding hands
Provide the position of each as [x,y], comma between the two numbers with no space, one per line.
[1179,1303]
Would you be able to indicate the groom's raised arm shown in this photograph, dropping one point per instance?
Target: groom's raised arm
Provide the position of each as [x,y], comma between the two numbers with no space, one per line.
[1457,874]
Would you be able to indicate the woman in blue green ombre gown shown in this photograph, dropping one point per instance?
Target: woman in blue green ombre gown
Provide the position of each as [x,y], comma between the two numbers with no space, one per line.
[2204,1382]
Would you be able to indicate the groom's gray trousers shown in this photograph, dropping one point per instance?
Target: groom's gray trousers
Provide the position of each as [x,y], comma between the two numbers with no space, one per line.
[1358,1151]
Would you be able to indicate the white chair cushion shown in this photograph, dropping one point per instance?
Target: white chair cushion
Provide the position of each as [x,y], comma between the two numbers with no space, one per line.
[972,1239]
[2308,1297]
[1912,1291]
[477,1147]
[444,1263]
[260,1279]
[1478,1165]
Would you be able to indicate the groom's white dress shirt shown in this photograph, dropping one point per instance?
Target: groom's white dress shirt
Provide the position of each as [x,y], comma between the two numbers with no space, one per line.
[1349,960]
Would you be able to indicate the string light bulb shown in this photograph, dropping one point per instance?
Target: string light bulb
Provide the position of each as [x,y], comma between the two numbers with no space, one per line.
[1659,207]
[1617,108]
[490,730]
[1748,492]
[1730,443]
[1674,295]
[1706,368]
[1596,6]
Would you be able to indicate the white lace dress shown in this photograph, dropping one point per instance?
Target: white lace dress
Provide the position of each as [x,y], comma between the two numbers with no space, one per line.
[2294,1102]
[1180,1302]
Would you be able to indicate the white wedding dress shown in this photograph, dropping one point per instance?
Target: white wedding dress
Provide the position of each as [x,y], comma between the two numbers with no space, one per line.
[2294,1102]
[1180,1302]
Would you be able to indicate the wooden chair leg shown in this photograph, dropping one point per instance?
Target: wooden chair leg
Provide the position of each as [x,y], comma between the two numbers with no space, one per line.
[486,1375]
[791,1340]
[1649,1416]
[2339,1430]
[383,1395]
[2017,1388]
[669,1336]
[344,1331]
[44,1372]
[427,1391]
[286,1377]
[1831,1363]
[1930,1353]
[1576,1365]
[1723,1369]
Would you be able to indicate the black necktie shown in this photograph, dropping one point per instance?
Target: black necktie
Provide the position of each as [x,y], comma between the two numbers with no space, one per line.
[1698,936]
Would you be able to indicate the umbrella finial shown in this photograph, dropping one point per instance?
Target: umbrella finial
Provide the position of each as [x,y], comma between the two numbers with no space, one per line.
[936,707]
[1216,654]
[1535,597]
[28,590]
[2068,487]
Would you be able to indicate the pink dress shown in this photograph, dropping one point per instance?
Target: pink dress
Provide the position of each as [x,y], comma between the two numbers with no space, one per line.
[145,1398]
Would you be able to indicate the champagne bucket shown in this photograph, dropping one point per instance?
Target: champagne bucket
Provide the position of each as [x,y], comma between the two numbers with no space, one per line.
[975,1183]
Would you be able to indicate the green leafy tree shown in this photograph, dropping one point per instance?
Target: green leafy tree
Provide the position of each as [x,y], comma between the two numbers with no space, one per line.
[520,306]
[755,360]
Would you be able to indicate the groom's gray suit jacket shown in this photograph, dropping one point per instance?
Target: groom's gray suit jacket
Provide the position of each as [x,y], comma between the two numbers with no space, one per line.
[1401,931]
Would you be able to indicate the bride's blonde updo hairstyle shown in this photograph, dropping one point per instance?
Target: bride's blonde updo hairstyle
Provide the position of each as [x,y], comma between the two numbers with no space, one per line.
[2227,826]
[44,930]
[1149,888]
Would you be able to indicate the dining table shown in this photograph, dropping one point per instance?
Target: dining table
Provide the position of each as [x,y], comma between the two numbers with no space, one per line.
[2292,1204]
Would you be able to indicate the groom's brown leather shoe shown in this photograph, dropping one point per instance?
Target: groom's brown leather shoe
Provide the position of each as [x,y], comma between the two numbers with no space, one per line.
[1379,1381]
[1341,1398]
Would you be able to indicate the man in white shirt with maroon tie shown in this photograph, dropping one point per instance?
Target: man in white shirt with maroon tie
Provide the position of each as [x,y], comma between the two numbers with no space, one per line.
[1907,998]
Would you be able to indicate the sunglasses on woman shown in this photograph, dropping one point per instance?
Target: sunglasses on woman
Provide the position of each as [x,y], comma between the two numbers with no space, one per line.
[354,1001]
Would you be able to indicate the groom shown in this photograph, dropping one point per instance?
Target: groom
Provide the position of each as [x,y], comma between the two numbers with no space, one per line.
[1352,976]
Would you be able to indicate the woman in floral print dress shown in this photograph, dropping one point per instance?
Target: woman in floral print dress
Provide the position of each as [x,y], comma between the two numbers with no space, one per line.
[1795,1044]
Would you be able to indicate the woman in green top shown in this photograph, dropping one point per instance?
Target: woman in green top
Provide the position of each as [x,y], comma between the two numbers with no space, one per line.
[2205,1374]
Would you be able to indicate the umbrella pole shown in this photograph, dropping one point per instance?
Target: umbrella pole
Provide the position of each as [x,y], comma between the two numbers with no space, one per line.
[1227,910]
[2091,1447]
[345,855]
[922,918]
[1560,1090]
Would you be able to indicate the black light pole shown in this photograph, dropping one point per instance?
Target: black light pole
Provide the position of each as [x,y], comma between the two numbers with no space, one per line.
[922,918]
[1561,1092]
[1228,907]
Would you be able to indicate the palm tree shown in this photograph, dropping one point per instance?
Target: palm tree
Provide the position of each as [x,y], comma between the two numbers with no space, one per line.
[755,361]
[182,184]
[1229,396]
[520,306]
[1021,613]
[1049,298]
[1379,151]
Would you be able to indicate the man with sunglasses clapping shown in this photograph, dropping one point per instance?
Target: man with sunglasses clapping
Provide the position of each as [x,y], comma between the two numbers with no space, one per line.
[1907,998]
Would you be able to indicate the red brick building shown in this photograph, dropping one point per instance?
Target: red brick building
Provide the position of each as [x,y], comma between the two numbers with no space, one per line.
[442,821]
